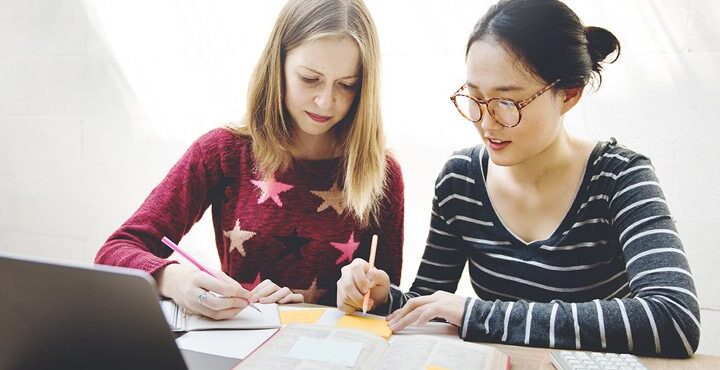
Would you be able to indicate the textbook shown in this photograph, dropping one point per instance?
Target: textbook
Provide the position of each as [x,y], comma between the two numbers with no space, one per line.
[305,346]
[183,320]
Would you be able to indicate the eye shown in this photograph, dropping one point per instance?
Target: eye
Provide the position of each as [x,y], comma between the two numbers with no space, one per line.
[347,87]
[309,80]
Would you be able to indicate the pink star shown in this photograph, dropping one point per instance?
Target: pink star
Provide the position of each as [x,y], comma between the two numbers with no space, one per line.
[348,248]
[251,285]
[271,189]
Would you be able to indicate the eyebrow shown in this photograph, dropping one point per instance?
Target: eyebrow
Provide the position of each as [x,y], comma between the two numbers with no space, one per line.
[500,88]
[321,74]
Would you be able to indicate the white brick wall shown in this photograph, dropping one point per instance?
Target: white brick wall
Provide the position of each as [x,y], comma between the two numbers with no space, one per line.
[98,99]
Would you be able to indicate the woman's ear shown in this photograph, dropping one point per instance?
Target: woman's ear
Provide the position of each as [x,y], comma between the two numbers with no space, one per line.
[571,97]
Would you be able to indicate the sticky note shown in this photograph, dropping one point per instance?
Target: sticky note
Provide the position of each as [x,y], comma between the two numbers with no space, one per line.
[326,350]
[376,325]
[302,316]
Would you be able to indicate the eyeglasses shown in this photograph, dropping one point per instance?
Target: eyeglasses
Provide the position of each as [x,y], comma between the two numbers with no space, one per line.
[504,111]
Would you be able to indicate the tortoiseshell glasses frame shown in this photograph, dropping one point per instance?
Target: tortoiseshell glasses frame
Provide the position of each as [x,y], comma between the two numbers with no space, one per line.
[504,111]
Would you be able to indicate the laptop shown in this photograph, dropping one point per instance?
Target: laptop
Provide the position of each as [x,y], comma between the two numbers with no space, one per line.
[60,315]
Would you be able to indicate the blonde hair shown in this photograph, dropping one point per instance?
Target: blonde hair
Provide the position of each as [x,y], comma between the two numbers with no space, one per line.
[360,138]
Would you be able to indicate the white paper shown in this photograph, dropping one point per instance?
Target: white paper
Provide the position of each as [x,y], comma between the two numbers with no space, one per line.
[226,343]
[326,350]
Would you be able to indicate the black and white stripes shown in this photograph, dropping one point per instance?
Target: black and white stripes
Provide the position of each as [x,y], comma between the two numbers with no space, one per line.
[613,277]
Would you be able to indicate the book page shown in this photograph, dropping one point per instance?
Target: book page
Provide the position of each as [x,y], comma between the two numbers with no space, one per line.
[226,343]
[423,351]
[248,318]
[274,353]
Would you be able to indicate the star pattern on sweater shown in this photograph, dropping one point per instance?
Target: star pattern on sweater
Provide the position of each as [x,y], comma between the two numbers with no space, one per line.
[312,294]
[251,285]
[348,248]
[293,243]
[271,189]
[237,237]
[332,197]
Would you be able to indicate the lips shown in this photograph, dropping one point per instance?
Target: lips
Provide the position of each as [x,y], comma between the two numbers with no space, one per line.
[497,144]
[317,117]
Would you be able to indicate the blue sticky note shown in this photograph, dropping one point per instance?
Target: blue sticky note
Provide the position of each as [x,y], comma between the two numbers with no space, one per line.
[326,350]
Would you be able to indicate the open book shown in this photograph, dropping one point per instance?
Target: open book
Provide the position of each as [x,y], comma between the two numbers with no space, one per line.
[302,346]
[182,320]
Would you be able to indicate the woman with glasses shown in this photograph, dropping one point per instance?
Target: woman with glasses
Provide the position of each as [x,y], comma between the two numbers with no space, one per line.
[569,243]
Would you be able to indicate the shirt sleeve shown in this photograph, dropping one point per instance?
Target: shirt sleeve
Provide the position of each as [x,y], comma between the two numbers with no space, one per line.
[171,209]
[442,263]
[660,316]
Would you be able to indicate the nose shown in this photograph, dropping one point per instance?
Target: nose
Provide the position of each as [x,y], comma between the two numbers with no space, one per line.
[488,123]
[325,98]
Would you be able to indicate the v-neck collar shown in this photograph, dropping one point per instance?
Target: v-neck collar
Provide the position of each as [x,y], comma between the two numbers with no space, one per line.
[567,221]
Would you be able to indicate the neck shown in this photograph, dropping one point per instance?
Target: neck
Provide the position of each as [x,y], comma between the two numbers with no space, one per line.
[546,165]
[312,147]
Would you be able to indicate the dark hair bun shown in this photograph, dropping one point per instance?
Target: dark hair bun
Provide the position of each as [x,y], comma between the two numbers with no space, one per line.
[601,43]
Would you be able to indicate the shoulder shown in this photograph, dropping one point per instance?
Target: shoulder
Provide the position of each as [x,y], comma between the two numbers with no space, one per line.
[224,150]
[618,160]
[463,162]
[393,172]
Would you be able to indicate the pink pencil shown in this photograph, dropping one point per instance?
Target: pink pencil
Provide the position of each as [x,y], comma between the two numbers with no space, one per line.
[197,264]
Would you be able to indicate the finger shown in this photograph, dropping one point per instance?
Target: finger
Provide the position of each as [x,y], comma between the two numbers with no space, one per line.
[292,298]
[265,291]
[400,323]
[346,308]
[240,291]
[378,277]
[197,306]
[276,296]
[223,303]
[432,311]
[410,305]
[261,286]
[213,284]
[348,292]
[359,276]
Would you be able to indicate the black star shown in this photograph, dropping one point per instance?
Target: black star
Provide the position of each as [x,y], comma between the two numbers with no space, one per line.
[293,243]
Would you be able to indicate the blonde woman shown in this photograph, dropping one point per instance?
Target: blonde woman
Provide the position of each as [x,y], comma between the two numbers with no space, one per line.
[297,189]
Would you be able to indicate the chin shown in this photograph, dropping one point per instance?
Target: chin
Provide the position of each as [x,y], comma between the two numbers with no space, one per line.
[503,160]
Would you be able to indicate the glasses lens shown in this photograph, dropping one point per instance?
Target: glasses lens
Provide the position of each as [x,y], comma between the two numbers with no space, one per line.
[504,112]
[468,108]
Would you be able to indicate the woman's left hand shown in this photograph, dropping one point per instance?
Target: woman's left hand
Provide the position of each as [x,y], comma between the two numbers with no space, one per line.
[422,309]
[269,292]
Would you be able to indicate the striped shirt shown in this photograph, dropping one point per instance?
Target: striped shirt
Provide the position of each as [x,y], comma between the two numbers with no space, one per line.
[612,277]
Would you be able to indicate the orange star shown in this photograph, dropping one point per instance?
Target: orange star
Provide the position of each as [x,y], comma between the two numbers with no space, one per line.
[312,294]
[238,237]
[332,197]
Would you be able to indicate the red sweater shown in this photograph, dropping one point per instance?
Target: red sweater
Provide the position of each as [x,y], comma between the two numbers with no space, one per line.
[294,231]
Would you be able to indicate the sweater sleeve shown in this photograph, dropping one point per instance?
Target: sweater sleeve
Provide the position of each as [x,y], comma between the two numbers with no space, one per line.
[660,316]
[171,209]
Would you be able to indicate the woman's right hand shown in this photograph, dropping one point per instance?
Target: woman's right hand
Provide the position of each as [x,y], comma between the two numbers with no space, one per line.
[358,278]
[193,290]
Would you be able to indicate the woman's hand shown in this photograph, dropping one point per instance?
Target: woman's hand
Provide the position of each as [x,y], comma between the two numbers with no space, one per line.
[201,293]
[422,309]
[269,292]
[357,278]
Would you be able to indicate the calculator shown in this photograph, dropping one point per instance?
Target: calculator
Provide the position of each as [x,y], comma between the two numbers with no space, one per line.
[570,360]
